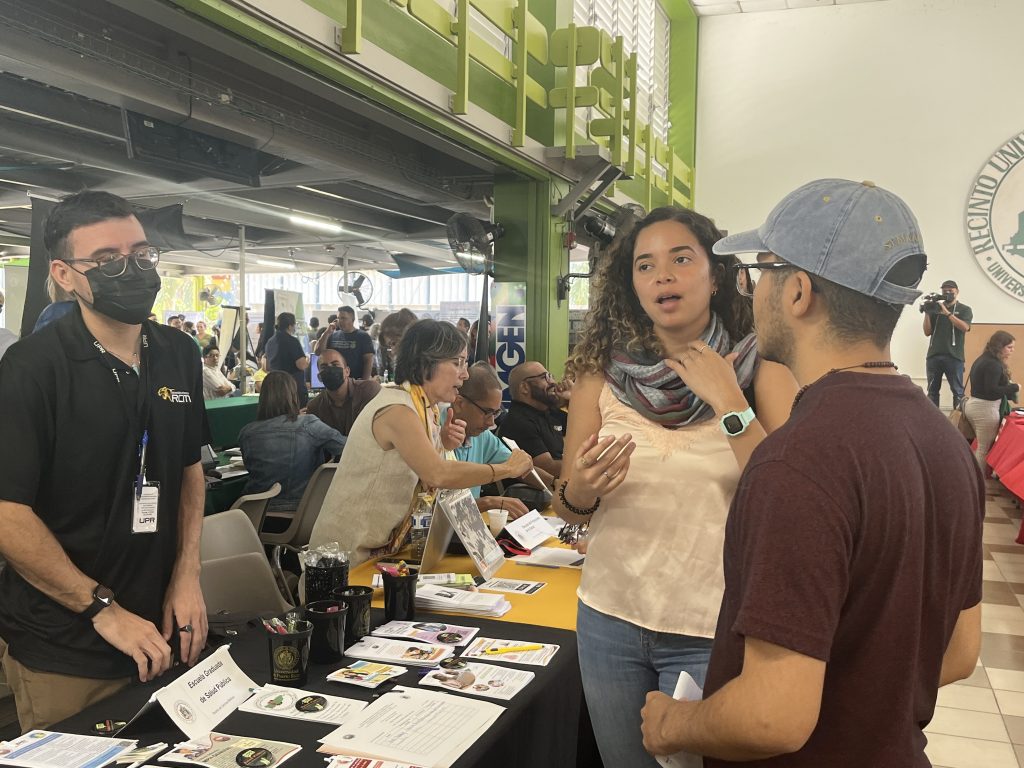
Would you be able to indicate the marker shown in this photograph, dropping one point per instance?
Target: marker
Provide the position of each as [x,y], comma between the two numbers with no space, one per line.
[513,649]
[279,626]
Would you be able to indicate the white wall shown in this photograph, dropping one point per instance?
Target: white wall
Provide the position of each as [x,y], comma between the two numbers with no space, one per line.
[911,94]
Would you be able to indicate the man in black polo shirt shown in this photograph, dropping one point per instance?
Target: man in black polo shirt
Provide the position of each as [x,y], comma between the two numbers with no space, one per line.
[532,420]
[945,324]
[101,492]
[354,345]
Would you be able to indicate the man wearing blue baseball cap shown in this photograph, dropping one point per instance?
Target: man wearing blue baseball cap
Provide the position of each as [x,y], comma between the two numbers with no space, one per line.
[853,545]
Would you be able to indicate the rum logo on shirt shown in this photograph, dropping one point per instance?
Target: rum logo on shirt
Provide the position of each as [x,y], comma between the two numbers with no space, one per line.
[174,395]
[994,217]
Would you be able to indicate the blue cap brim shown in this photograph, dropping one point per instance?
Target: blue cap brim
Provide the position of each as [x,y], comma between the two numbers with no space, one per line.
[741,242]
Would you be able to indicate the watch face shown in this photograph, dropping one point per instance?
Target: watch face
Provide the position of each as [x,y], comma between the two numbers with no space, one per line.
[103,594]
[733,424]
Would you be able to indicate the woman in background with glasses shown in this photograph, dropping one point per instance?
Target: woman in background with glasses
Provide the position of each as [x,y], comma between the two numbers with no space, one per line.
[396,449]
[670,400]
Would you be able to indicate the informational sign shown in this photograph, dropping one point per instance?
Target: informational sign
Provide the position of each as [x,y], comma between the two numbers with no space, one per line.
[510,318]
[291,301]
[994,217]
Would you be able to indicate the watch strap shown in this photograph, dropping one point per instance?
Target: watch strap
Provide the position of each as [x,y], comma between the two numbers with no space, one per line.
[742,418]
[98,603]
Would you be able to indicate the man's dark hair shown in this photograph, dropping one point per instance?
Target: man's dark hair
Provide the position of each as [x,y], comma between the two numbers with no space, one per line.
[347,311]
[210,348]
[314,322]
[80,210]
[285,321]
[424,345]
[482,379]
[854,317]
[279,396]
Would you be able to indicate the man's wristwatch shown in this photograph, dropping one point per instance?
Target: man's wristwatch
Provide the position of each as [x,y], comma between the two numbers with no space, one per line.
[102,598]
[735,423]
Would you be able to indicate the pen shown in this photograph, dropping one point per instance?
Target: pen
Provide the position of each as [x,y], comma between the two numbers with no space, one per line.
[513,649]
[142,465]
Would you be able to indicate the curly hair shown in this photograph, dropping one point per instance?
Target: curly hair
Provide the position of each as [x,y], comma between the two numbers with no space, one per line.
[617,320]
[996,343]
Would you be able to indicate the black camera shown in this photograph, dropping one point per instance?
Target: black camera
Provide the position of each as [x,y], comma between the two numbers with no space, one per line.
[930,302]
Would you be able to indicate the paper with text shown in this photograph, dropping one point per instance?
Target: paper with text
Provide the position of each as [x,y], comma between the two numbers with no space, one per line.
[301,705]
[485,680]
[51,749]
[686,690]
[531,530]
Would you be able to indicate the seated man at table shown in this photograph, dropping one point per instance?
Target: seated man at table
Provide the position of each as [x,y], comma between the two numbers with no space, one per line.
[478,404]
[531,420]
[343,397]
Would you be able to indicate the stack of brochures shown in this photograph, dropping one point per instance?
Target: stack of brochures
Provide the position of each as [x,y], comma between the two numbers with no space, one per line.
[399,652]
[458,580]
[431,598]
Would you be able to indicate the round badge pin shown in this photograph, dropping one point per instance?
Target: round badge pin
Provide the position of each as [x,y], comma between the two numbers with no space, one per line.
[311,704]
[256,757]
[453,663]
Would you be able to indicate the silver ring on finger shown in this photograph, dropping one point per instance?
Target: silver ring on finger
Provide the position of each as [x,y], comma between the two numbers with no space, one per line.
[584,462]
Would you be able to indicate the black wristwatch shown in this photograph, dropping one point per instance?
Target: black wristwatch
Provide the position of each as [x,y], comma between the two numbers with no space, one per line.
[102,597]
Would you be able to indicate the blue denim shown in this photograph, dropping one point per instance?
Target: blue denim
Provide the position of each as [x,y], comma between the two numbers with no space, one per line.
[952,368]
[286,451]
[620,664]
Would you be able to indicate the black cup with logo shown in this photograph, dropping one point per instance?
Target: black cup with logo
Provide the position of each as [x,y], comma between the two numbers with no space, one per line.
[289,655]
[358,599]
[327,644]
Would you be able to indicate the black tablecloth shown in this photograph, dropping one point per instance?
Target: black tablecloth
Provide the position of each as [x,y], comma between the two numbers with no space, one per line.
[540,727]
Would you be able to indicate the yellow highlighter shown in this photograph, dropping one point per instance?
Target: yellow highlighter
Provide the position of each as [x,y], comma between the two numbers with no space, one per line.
[513,649]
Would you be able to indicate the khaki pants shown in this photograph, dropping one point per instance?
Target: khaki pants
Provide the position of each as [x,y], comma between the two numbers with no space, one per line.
[44,698]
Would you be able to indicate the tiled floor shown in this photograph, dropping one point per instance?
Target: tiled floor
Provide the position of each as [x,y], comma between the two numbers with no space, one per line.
[979,722]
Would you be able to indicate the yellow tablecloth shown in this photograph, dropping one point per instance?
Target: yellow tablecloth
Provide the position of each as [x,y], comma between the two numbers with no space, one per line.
[552,606]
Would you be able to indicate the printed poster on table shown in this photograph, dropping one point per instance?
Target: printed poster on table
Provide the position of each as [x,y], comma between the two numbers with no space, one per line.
[464,515]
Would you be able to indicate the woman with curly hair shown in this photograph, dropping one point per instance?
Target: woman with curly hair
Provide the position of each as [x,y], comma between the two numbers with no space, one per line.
[670,400]
[990,383]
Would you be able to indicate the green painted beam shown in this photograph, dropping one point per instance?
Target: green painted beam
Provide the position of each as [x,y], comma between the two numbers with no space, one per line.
[531,251]
[683,84]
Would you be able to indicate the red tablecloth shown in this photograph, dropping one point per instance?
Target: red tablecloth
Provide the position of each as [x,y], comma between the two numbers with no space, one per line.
[1007,459]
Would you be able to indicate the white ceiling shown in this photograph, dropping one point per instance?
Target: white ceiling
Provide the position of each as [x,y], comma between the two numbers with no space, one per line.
[719,7]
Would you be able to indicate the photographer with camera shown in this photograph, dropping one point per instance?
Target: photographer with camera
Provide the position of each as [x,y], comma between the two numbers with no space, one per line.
[946,321]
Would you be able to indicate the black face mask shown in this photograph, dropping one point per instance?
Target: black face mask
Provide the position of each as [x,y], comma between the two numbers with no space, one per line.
[127,299]
[333,377]
[947,296]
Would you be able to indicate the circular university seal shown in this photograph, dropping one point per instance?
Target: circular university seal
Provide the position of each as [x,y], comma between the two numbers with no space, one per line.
[994,217]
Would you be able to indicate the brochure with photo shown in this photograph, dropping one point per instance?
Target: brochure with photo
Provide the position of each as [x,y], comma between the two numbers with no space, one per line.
[428,632]
[366,674]
[399,652]
[481,680]
[219,750]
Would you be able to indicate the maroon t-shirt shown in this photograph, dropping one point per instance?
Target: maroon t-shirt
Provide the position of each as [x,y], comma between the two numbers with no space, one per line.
[855,538]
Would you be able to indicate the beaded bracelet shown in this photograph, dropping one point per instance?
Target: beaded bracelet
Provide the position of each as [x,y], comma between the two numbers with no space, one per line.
[571,508]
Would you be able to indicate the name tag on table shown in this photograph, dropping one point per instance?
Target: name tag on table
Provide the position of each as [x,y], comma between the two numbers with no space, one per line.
[144,508]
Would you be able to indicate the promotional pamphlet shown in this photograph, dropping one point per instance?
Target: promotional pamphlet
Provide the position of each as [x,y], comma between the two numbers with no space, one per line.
[399,652]
[513,585]
[366,674]
[219,750]
[428,632]
[52,749]
[301,705]
[515,651]
[481,680]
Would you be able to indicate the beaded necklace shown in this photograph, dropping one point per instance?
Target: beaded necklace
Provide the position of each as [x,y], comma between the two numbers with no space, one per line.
[870,364]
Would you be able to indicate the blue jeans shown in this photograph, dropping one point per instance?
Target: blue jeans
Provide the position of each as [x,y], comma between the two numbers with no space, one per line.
[620,663]
[952,368]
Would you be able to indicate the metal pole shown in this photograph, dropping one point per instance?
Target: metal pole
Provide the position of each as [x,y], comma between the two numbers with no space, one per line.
[243,341]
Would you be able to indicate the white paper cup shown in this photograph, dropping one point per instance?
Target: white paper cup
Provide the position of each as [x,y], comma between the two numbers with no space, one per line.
[496,519]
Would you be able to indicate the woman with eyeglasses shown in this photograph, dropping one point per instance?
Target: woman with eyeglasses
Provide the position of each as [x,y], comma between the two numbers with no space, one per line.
[669,402]
[396,449]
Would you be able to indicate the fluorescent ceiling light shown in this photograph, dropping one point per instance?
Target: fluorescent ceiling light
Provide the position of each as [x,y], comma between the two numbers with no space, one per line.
[278,264]
[317,225]
[19,183]
[14,245]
